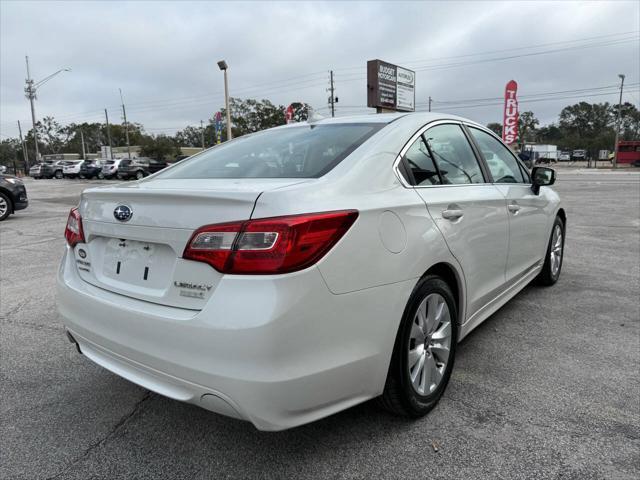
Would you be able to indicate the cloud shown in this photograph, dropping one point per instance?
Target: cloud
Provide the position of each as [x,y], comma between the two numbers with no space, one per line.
[163,54]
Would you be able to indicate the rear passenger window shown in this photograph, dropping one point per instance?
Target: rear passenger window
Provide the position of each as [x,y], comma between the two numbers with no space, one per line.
[453,155]
[419,161]
[502,163]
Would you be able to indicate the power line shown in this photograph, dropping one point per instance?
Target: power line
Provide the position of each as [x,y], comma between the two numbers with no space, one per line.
[584,39]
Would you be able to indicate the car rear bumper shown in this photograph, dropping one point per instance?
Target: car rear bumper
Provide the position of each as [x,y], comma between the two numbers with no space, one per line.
[278,351]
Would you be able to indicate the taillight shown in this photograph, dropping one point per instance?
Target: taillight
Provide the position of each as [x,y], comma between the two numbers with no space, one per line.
[73,232]
[269,245]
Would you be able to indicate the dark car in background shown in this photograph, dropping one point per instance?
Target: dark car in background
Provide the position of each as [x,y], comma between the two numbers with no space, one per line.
[13,195]
[92,169]
[139,167]
[48,169]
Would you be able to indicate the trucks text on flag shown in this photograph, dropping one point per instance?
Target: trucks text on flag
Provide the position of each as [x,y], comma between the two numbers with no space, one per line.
[510,121]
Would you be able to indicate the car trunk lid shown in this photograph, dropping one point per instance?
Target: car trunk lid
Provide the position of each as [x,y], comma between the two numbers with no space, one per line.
[141,257]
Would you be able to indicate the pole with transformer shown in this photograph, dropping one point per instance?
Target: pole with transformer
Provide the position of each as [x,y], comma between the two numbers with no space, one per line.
[106,116]
[126,125]
[332,92]
[430,102]
[31,95]
[30,90]
[615,146]
[24,149]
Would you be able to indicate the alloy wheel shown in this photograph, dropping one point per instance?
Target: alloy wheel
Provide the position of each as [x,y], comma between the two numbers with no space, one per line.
[555,252]
[4,206]
[429,344]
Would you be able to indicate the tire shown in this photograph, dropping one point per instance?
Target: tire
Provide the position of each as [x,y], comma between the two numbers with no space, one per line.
[6,206]
[58,174]
[553,258]
[407,392]
[100,176]
[139,175]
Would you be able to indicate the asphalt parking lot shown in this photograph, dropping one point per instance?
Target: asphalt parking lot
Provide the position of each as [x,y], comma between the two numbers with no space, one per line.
[548,387]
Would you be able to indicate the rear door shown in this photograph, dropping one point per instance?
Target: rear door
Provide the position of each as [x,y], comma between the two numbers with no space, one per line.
[468,210]
[526,211]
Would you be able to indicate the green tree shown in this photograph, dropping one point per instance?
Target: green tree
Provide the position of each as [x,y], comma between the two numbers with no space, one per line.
[527,123]
[160,147]
[495,127]
[250,116]
[301,111]
[189,137]
[589,126]
[11,154]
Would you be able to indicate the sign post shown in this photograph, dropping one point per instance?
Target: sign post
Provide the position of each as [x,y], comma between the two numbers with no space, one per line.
[218,127]
[390,87]
[510,119]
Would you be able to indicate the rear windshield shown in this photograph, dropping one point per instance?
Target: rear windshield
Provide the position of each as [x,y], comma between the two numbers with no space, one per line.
[110,162]
[305,151]
[124,163]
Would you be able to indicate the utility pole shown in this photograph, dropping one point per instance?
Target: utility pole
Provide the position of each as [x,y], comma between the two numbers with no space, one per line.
[429,102]
[24,149]
[615,146]
[31,95]
[126,125]
[106,116]
[30,90]
[84,152]
[332,97]
[202,133]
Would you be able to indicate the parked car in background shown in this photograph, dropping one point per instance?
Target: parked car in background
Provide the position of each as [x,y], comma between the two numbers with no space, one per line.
[579,155]
[13,195]
[110,168]
[564,157]
[92,169]
[48,169]
[139,167]
[3,168]
[71,168]
[304,269]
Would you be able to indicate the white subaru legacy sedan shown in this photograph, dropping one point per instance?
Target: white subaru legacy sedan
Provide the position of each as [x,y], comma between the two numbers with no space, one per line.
[292,273]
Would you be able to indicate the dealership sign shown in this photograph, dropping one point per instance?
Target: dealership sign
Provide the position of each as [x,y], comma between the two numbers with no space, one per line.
[510,119]
[390,87]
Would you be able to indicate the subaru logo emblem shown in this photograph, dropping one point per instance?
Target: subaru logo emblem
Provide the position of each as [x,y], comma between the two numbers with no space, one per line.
[123,213]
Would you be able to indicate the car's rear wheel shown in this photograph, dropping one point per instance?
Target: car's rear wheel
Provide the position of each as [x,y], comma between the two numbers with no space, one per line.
[100,176]
[6,206]
[555,253]
[424,350]
[139,175]
[58,174]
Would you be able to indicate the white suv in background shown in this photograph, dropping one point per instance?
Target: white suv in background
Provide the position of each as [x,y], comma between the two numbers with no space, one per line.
[110,168]
[71,168]
[292,273]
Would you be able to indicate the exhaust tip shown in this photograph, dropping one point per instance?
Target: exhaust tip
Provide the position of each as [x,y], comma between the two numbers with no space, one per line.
[73,340]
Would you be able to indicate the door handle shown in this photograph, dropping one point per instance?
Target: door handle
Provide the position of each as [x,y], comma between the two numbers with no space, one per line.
[452,214]
[513,208]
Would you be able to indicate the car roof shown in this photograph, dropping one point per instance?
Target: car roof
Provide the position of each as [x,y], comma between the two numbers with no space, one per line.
[385,118]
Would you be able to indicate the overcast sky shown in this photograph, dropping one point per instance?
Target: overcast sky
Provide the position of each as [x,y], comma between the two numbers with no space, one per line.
[163,55]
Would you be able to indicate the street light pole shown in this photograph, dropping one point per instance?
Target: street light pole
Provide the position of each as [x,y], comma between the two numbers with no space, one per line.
[615,146]
[222,65]
[30,89]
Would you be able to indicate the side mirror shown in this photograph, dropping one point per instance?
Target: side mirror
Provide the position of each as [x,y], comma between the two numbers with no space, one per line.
[542,177]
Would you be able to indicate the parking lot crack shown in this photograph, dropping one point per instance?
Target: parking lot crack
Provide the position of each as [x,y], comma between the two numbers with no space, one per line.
[108,436]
